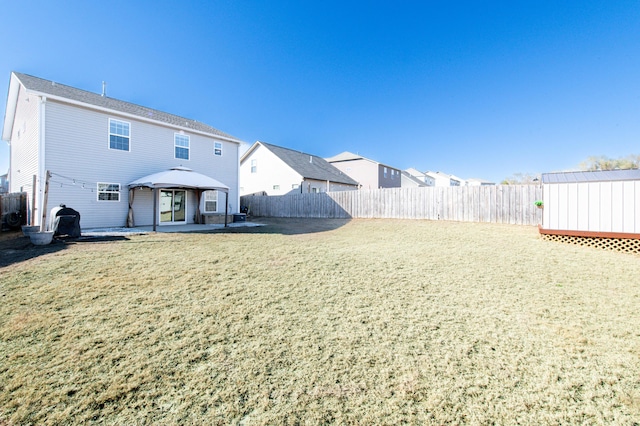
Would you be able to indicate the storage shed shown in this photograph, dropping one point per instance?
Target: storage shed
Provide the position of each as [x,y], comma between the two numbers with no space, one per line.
[593,205]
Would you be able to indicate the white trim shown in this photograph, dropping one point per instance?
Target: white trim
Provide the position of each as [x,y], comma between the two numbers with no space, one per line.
[188,147]
[41,161]
[98,192]
[186,206]
[214,149]
[204,201]
[109,135]
[12,106]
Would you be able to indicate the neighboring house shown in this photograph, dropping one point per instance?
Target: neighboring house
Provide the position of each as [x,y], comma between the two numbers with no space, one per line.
[4,183]
[370,173]
[443,179]
[479,182]
[427,180]
[409,181]
[274,170]
[94,146]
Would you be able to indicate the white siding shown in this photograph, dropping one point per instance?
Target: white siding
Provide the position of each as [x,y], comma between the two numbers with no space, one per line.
[270,171]
[24,147]
[593,206]
[77,148]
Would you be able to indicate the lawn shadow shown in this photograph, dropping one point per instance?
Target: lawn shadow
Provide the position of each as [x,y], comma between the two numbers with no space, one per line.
[17,249]
[287,226]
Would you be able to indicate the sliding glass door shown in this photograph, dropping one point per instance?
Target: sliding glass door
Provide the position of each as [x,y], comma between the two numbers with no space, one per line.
[173,206]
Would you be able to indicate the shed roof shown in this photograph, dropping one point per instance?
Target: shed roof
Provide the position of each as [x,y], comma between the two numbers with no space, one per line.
[48,87]
[307,165]
[595,176]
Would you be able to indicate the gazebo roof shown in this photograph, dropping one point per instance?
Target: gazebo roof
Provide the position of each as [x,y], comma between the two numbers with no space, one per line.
[179,177]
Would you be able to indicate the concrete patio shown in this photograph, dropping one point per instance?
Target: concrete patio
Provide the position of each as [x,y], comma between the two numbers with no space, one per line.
[94,232]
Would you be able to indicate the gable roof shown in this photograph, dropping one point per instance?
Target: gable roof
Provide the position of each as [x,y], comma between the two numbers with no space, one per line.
[595,176]
[347,156]
[306,165]
[70,94]
[413,178]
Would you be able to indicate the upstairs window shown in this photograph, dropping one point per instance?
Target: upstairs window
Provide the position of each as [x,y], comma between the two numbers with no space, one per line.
[385,172]
[119,134]
[210,201]
[217,148]
[108,191]
[254,166]
[181,143]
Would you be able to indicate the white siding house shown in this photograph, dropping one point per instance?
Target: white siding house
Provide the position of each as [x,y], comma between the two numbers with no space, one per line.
[428,180]
[592,204]
[274,170]
[94,146]
[443,179]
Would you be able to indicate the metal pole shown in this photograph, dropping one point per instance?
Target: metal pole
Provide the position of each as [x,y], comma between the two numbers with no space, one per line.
[155,207]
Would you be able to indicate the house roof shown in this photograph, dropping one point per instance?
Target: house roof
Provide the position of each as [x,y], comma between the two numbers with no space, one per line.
[414,172]
[62,92]
[350,156]
[595,176]
[413,178]
[306,165]
[347,156]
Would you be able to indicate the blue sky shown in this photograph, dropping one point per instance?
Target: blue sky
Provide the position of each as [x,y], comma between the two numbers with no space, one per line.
[477,89]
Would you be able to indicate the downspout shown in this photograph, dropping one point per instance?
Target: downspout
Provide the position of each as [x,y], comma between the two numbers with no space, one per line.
[41,158]
[238,177]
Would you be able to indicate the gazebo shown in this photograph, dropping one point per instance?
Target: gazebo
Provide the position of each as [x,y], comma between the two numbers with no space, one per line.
[176,178]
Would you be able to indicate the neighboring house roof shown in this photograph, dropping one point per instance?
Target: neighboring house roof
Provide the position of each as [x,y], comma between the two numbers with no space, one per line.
[443,175]
[63,92]
[306,165]
[414,172]
[596,176]
[350,156]
[347,156]
[412,178]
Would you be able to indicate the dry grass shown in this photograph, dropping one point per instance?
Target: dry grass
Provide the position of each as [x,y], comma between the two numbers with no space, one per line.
[381,322]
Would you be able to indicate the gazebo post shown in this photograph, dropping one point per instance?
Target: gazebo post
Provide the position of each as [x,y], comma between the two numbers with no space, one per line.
[226,207]
[199,193]
[155,208]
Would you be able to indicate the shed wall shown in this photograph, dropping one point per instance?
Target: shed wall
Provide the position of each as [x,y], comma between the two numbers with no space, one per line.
[612,206]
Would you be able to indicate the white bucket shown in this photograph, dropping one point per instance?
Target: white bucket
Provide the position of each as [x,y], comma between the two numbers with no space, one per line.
[41,238]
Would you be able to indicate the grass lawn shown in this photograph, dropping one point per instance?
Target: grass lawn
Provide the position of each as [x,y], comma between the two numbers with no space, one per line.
[322,321]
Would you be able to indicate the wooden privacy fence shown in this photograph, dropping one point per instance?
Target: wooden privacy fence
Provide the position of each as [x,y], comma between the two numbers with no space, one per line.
[13,209]
[512,204]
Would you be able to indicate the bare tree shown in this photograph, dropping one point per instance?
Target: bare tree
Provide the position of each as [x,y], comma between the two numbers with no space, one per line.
[602,162]
[521,179]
